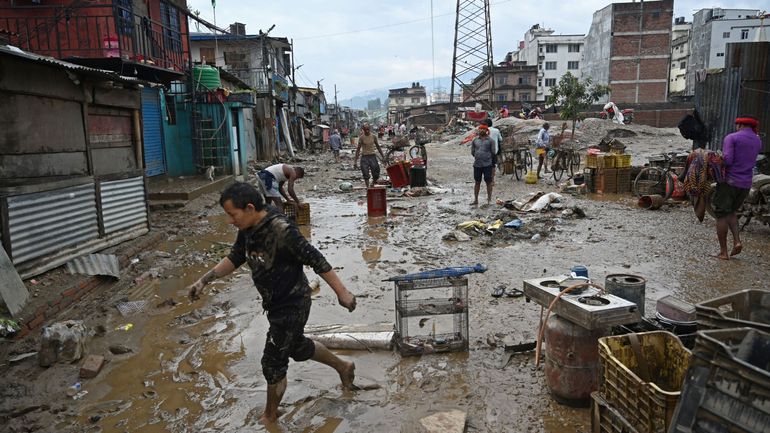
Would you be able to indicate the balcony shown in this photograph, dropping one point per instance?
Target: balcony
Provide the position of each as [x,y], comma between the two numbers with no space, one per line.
[103,36]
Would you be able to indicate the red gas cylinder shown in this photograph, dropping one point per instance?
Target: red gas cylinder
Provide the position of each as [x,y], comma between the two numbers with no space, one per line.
[678,192]
[571,361]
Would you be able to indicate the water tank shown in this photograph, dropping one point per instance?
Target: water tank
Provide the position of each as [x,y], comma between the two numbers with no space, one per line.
[206,77]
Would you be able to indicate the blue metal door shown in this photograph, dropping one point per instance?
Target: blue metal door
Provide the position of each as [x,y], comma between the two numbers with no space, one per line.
[152,133]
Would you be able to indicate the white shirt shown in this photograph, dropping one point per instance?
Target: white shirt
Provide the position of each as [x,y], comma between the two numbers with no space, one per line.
[543,138]
[496,137]
[277,172]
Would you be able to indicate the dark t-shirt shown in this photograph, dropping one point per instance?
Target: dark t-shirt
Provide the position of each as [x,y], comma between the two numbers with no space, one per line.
[276,252]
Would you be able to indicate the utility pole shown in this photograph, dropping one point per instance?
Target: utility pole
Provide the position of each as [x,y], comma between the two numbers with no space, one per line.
[473,52]
[336,109]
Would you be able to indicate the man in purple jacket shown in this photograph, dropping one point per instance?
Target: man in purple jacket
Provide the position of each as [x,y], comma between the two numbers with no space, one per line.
[739,153]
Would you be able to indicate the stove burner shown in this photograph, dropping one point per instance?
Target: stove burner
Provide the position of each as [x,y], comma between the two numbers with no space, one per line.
[550,283]
[596,301]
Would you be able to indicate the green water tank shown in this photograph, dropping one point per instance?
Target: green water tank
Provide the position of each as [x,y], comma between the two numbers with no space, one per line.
[206,77]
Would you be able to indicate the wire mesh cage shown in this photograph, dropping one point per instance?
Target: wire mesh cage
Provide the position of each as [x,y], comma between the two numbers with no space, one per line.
[432,315]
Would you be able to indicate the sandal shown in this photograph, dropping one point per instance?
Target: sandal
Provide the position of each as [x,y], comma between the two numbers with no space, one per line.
[498,291]
[513,293]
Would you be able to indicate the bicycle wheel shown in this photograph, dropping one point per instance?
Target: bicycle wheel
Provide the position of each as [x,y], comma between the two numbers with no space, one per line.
[574,163]
[518,166]
[559,166]
[418,151]
[654,180]
[528,163]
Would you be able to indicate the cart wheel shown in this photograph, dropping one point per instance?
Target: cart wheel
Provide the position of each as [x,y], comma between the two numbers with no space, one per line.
[574,163]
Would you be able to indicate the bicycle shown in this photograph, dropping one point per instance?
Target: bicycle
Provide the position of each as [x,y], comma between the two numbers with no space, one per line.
[658,179]
[522,162]
[566,158]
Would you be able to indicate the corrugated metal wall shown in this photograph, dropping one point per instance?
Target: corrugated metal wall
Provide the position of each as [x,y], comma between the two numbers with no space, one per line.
[152,132]
[754,60]
[717,99]
[44,222]
[123,204]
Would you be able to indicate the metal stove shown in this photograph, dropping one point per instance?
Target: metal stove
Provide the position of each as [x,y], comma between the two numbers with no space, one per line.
[586,309]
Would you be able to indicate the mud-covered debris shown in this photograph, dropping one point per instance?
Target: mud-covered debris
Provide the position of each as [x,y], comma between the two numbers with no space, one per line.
[119,349]
[62,342]
[456,235]
[168,302]
[452,421]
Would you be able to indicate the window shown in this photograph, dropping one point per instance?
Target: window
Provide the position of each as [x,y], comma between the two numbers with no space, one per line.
[550,66]
[744,34]
[524,96]
[125,16]
[208,56]
[550,48]
[400,101]
[540,66]
[682,65]
[524,79]
[500,96]
[725,35]
[550,82]
[415,100]
[573,48]
[540,48]
[501,79]
[573,64]
[720,54]
[172,38]
[539,83]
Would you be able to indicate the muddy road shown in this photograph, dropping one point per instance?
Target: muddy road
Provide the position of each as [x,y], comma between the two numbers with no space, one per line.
[195,367]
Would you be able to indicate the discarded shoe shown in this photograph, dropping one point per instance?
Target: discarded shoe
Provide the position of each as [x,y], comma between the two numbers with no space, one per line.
[513,293]
[498,291]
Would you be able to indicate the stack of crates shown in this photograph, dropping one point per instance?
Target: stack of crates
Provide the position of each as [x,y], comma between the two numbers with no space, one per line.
[589,177]
[728,384]
[624,180]
[640,382]
[607,180]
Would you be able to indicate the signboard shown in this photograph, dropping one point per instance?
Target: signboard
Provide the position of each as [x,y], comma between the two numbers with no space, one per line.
[280,88]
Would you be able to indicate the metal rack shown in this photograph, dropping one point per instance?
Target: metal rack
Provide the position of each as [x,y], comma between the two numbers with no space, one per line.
[422,301]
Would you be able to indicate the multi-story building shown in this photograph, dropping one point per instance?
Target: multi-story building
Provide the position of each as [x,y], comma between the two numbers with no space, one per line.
[712,30]
[514,81]
[680,52]
[403,98]
[628,48]
[255,59]
[554,55]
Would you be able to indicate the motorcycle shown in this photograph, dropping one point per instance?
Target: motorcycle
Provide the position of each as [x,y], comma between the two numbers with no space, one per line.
[609,113]
[529,113]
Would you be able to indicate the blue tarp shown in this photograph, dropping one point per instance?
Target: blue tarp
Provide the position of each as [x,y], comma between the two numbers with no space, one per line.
[441,273]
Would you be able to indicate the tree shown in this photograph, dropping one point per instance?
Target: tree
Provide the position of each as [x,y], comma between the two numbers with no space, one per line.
[574,96]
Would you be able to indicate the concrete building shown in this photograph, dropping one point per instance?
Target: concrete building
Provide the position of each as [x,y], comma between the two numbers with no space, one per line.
[636,38]
[554,55]
[404,98]
[713,29]
[514,81]
[680,53]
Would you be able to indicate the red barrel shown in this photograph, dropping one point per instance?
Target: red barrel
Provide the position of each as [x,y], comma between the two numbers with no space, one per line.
[376,202]
[571,361]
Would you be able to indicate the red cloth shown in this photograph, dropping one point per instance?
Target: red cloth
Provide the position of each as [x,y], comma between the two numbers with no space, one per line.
[481,115]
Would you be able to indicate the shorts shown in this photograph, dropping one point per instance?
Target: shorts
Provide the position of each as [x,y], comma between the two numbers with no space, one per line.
[485,172]
[540,151]
[369,164]
[286,339]
[727,199]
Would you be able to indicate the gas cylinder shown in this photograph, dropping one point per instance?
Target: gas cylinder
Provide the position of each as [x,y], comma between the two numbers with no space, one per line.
[571,361]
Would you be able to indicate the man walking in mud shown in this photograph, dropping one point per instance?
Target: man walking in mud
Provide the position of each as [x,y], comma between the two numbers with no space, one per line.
[739,155]
[276,253]
[367,146]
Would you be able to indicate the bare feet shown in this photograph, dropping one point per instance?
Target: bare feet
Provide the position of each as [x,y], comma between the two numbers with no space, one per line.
[474,203]
[722,256]
[737,248]
[348,375]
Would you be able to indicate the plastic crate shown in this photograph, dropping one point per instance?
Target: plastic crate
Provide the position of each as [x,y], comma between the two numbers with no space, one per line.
[607,419]
[300,214]
[647,405]
[622,160]
[624,180]
[746,308]
[591,160]
[589,178]
[727,388]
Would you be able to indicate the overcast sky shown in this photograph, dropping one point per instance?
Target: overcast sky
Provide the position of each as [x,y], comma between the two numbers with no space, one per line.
[360,45]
